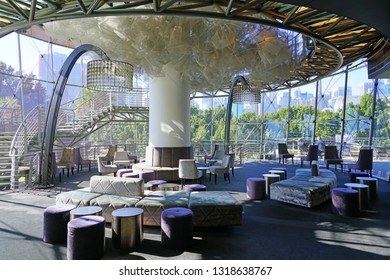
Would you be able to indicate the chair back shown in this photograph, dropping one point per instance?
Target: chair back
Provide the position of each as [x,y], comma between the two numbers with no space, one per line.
[365,159]
[219,154]
[54,166]
[331,152]
[111,150]
[188,169]
[282,148]
[226,161]
[67,155]
[77,155]
[122,155]
[312,154]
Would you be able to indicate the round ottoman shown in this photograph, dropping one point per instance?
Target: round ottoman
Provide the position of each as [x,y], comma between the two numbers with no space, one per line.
[86,238]
[345,202]
[176,228]
[354,174]
[281,168]
[194,188]
[55,223]
[255,188]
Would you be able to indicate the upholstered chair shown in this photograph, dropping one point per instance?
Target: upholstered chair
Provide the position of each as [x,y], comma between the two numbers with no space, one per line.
[106,168]
[109,157]
[364,162]
[80,161]
[284,153]
[188,171]
[54,168]
[224,169]
[210,156]
[122,158]
[331,156]
[67,160]
[312,154]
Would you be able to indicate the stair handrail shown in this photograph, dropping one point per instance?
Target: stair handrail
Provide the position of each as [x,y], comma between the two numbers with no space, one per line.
[32,126]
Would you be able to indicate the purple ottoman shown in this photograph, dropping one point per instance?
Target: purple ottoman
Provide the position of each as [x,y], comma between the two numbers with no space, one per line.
[353,175]
[176,228]
[123,171]
[55,223]
[255,188]
[194,188]
[86,238]
[345,202]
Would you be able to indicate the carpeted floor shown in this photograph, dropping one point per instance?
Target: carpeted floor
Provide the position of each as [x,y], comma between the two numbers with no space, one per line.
[271,230]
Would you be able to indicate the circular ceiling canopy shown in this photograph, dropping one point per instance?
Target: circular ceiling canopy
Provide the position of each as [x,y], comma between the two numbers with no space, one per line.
[331,40]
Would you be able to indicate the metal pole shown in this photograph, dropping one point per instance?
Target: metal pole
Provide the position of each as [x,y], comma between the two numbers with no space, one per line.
[315,115]
[288,114]
[344,110]
[372,116]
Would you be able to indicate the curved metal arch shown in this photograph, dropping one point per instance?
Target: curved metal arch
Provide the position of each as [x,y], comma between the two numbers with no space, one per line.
[228,117]
[54,107]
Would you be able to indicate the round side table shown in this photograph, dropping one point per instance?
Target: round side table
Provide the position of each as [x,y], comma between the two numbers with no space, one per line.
[86,211]
[363,194]
[269,179]
[127,227]
[372,184]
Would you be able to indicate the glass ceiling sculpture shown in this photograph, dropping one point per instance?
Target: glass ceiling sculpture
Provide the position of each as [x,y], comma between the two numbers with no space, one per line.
[336,40]
[207,52]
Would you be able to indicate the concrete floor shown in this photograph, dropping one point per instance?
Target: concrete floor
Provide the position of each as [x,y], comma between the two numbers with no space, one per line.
[271,230]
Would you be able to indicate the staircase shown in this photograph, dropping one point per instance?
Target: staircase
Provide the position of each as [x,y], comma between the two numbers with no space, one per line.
[5,160]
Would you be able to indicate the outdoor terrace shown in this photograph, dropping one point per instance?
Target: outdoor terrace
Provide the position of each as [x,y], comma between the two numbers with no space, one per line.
[271,230]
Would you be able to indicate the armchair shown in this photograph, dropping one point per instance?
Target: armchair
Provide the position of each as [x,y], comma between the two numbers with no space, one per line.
[122,158]
[284,153]
[364,162]
[54,168]
[312,154]
[331,157]
[106,168]
[210,156]
[224,169]
[109,157]
[188,171]
[80,161]
[67,160]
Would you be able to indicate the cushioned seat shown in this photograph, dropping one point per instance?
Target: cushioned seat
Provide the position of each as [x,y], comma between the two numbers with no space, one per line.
[176,228]
[86,238]
[55,223]
[154,203]
[215,208]
[255,188]
[345,201]
[195,188]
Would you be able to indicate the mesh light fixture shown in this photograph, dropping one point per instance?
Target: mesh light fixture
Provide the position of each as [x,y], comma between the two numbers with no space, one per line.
[108,75]
[246,94]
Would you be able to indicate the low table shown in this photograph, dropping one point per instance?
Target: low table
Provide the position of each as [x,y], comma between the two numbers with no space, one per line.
[363,194]
[86,211]
[127,227]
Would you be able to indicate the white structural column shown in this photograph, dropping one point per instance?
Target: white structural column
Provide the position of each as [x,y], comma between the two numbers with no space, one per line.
[169,110]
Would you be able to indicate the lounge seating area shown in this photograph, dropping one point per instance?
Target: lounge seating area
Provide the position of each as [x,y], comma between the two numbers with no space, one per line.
[113,193]
[265,219]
